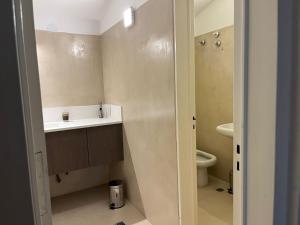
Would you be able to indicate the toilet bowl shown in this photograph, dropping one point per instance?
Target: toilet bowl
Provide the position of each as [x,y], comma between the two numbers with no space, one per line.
[204,160]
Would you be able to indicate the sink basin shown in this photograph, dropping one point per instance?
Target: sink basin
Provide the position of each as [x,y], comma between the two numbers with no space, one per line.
[225,129]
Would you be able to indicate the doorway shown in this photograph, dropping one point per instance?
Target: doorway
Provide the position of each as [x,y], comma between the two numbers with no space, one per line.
[241,69]
[238,121]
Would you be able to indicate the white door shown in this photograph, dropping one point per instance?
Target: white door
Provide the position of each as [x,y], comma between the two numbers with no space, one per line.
[239,166]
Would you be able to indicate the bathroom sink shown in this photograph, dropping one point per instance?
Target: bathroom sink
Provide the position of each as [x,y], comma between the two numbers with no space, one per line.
[52,124]
[225,129]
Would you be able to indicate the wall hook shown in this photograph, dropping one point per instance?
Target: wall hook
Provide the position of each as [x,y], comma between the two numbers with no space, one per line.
[203,42]
[218,43]
[216,34]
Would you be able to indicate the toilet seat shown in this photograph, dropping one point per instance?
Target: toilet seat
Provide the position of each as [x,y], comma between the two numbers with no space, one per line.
[205,159]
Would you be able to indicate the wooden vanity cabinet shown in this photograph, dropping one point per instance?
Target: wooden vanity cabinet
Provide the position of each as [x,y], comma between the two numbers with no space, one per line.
[105,144]
[81,148]
[67,151]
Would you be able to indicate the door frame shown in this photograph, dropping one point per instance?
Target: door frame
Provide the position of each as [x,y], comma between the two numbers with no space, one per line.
[32,110]
[185,109]
[184,64]
[240,96]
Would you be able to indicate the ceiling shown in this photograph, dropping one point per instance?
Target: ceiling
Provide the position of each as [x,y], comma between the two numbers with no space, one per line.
[59,14]
[86,16]
[200,5]
[87,9]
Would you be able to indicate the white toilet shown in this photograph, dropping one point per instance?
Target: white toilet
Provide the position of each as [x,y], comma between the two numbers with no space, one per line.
[204,160]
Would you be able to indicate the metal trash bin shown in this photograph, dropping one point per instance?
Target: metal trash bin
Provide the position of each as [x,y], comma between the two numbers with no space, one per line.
[116,194]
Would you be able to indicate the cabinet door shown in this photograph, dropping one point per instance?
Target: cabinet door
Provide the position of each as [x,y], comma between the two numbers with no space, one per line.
[105,144]
[67,151]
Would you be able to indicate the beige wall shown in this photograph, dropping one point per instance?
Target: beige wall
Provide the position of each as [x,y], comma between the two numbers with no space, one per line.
[138,71]
[79,180]
[214,98]
[69,76]
[216,15]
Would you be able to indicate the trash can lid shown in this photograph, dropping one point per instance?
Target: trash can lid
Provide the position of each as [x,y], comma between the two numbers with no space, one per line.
[113,183]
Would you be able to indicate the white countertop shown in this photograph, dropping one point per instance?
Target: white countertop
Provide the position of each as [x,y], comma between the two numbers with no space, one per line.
[80,117]
[77,124]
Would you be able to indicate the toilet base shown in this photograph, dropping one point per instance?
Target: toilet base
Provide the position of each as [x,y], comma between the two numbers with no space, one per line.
[202,177]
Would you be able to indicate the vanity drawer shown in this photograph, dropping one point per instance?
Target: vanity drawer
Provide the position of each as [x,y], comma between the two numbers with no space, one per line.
[105,144]
[67,151]
[81,148]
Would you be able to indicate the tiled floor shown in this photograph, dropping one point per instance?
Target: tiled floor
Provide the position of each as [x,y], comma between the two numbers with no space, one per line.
[144,222]
[89,207]
[214,208]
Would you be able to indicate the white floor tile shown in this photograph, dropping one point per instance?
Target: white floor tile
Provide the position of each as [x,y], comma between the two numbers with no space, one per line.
[90,207]
[215,208]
